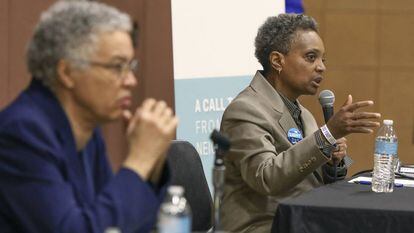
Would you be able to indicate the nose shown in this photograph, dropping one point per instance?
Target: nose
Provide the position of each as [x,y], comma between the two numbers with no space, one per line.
[320,67]
[130,80]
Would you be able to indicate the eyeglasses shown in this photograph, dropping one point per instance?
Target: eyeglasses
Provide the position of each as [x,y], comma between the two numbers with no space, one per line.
[121,69]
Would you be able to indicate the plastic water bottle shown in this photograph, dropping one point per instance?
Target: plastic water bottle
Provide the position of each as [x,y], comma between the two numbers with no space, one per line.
[175,213]
[385,159]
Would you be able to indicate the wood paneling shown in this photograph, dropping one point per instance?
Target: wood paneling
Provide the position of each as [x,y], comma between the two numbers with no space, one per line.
[370,54]
[396,40]
[4,40]
[157,31]
[398,6]
[396,95]
[22,20]
[397,98]
[350,39]
[351,5]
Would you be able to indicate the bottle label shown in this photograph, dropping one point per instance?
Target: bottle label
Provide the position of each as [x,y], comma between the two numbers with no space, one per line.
[383,147]
[174,224]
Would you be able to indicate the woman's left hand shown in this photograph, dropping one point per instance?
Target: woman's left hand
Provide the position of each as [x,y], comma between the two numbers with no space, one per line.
[340,151]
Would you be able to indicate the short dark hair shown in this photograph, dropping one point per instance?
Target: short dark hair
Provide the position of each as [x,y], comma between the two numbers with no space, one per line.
[277,34]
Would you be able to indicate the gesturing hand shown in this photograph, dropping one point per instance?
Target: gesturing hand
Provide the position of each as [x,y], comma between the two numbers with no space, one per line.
[149,133]
[347,120]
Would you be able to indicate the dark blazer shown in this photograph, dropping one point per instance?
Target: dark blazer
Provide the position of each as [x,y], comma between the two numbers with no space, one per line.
[48,186]
[262,166]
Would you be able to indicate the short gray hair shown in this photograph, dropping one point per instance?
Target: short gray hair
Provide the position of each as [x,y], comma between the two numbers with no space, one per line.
[69,30]
[277,34]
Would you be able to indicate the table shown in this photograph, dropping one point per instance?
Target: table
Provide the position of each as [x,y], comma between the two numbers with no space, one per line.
[346,207]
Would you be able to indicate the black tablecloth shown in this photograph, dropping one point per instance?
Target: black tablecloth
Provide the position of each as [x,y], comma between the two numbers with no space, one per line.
[346,207]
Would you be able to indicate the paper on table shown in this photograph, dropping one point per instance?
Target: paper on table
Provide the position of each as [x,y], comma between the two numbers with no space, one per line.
[406,183]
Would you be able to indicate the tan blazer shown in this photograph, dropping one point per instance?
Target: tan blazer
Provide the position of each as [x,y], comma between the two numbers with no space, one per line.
[262,166]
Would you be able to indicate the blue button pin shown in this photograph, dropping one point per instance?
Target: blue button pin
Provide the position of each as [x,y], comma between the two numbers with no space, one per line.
[294,135]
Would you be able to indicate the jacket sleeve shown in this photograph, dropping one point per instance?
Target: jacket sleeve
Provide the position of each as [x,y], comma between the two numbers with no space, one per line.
[39,198]
[253,151]
[328,172]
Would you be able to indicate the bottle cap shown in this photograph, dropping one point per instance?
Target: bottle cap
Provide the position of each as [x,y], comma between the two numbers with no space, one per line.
[176,190]
[388,122]
[112,230]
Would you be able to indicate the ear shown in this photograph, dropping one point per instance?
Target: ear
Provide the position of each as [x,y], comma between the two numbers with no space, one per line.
[276,60]
[64,74]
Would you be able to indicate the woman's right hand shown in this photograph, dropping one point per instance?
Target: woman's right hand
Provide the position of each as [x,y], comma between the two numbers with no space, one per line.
[348,120]
[149,133]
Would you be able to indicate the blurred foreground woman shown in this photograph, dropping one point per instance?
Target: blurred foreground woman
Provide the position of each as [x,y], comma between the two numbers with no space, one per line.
[54,171]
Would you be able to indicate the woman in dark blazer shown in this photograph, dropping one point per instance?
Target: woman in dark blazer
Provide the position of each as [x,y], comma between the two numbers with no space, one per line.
[54,172]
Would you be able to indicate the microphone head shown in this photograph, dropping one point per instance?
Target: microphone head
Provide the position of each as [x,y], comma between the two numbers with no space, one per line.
[326,98]
[221,141]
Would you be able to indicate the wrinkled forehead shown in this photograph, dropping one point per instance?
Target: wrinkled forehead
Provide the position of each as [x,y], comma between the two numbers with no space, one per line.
[114,45]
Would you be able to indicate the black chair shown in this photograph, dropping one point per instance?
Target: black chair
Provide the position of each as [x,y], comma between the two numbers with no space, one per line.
[187,171]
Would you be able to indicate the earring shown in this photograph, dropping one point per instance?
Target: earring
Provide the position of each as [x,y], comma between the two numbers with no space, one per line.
[279,70]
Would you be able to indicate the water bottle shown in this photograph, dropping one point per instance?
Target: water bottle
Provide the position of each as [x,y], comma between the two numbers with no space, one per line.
[385,158]
[175,213]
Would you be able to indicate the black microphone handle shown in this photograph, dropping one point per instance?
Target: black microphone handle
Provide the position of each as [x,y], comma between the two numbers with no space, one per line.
[328,112]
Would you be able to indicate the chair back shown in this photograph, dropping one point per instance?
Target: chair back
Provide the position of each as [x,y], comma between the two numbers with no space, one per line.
[187,171]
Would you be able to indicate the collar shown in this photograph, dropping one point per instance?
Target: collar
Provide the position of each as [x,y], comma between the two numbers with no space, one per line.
[292,106]
[261,86]
[46,100]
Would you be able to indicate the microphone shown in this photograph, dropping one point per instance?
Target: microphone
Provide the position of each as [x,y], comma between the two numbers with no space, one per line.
[327,99]
[221,146]
[221,141]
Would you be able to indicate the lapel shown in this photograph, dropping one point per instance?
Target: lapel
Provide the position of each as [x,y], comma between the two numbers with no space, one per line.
[262,87]
[286,122]
[49,104]
[307,120]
